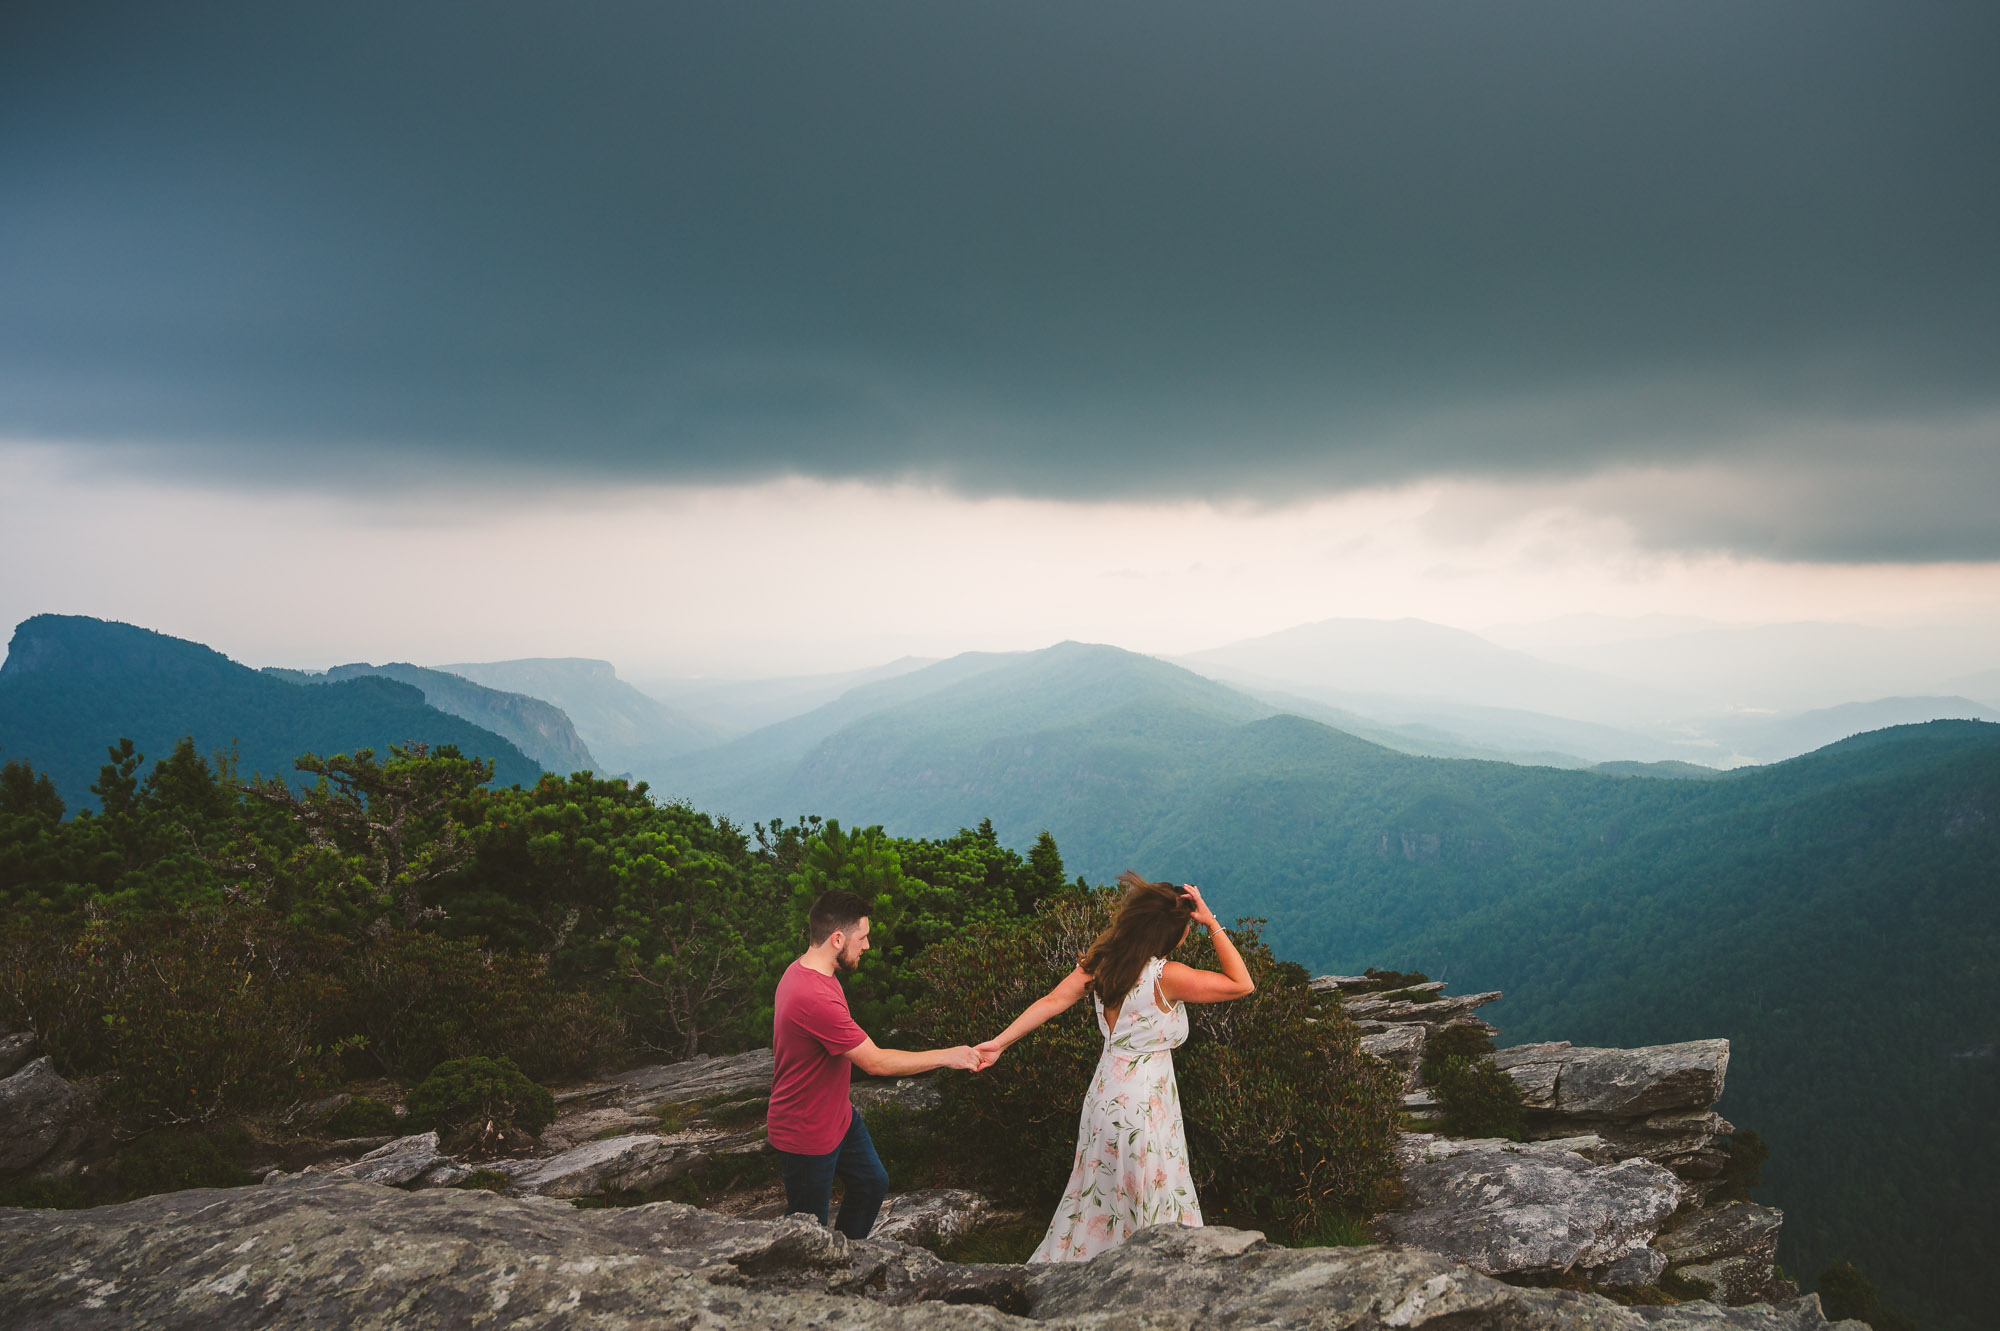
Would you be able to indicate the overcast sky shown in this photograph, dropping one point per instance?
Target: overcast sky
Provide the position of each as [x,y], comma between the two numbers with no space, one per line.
[690,314]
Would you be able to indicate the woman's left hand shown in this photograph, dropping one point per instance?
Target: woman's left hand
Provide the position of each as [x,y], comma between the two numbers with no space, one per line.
[1202,914]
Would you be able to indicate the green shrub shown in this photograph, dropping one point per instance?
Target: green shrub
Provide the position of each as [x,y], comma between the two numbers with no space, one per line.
[1478,1099]
[171,1161]
[483,1104]
[1381,980]
[421,1000]
[483,1180]
[1745,1169]
[1287,1119]
[44,1194]
[906,1146]
[362,1117]
[185,1016]
[1845,1292]
[1464,1040]
[1414,995]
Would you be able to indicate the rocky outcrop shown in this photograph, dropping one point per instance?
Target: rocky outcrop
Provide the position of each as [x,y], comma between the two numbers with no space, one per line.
[322,1251]
[932,1217]
[42,1116]
[1625,1149]
[617,1164]
[1653,1102]
[414,1162]
[1727,1253]
[1524,1208]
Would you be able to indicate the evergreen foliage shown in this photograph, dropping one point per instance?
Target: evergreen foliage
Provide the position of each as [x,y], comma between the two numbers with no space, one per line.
[481,1101]
[171,1161]
[1844,1292]
[1478,1099]
[362,1116]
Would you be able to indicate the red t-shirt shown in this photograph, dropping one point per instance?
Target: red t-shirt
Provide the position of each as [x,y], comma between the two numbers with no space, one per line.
[810,1031]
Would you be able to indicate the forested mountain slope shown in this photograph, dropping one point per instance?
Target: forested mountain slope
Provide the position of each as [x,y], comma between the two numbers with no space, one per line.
[1838,918]
[73,685]
[539,729]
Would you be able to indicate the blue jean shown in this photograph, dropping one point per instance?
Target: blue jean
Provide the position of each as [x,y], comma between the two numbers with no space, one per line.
[809,1181]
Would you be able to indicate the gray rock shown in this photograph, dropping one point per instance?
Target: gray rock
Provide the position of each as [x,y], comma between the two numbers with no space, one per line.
[696,1079]
[1735,1280]
[1631,1082]
[320,1252]
[1402,1046]
[1730,1251]
[1618,1083]
[911,1093]
[313,1113]
[617,1164]
[1507,1208]
[40,1113]
[1438,1013]
[1534,1068]
[586,1125]
[400,1162]
[317,1251]
[1640,1266]
[1740,1229]
[16,1048]
[931,1217]
[447,1175]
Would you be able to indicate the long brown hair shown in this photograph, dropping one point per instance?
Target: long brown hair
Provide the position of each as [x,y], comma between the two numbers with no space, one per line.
[1150,921]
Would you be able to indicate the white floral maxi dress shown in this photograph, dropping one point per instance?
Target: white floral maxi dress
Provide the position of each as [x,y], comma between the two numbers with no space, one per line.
[1131,1166]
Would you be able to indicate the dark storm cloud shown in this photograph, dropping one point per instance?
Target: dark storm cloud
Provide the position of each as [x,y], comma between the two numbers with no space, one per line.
[1109,250]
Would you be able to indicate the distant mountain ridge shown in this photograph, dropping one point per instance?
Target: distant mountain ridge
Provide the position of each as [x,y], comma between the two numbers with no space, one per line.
[537,728]
[72,685]
[628,731]
[739,706]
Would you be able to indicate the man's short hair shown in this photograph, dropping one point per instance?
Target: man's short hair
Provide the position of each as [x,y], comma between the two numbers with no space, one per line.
[836,912]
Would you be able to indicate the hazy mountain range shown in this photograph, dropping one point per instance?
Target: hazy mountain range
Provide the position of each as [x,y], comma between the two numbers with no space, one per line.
[629,732]
[540,729]
[71,686]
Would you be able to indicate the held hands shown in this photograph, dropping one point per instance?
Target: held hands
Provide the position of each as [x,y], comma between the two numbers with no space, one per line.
[1203,916]
[971,1058]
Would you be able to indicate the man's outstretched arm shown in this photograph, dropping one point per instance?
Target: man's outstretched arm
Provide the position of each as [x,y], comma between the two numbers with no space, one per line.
[878,1062]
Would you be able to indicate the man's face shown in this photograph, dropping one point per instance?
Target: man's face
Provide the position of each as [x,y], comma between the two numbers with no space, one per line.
[856,943]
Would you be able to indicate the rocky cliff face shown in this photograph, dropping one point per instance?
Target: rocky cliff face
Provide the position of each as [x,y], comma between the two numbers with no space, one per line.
[1616,1188]
[323,1251]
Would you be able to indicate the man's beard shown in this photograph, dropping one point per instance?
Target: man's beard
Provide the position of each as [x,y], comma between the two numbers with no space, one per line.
[846,962]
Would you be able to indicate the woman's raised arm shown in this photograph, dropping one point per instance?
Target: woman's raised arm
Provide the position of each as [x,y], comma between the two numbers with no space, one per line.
[1057,1000]
[1185,984]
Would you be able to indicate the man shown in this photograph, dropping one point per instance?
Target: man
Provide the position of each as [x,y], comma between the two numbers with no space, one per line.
[816,1045]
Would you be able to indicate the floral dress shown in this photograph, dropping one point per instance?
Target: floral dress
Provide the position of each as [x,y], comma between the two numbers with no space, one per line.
[1131,1167]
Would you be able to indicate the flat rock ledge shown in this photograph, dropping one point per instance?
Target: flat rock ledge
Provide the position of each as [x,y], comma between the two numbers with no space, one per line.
[1524,1208]
[320,1251]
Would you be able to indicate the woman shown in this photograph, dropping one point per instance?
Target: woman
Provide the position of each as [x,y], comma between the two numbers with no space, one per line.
[1131,1167]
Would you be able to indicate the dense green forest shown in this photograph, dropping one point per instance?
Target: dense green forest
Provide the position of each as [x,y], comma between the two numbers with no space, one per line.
[71,684]
[1838,918]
